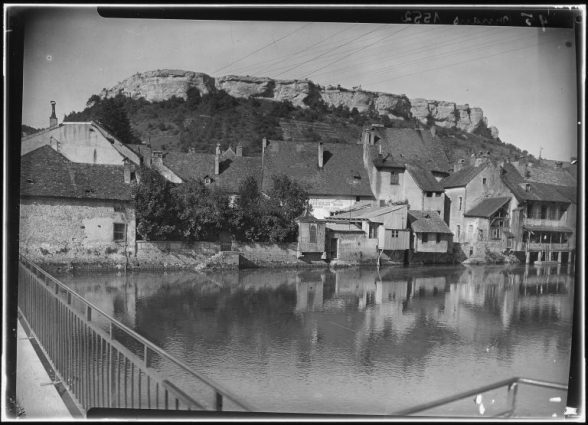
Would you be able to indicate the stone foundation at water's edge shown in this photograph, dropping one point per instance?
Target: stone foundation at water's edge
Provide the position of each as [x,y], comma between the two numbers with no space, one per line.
[208,255]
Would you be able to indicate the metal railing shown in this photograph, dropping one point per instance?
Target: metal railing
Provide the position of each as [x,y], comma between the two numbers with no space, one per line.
[103,363]
[511,385]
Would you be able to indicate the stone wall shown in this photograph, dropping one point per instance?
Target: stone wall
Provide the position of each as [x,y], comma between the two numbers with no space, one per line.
[65,230]
[273,255]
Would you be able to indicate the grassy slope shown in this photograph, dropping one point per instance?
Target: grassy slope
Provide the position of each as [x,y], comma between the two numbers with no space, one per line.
[202,123]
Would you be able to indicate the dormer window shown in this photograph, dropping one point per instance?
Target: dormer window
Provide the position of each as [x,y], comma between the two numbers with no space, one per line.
[207,180]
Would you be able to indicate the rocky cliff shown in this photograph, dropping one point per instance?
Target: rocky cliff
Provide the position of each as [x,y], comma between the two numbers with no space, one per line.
[163,84]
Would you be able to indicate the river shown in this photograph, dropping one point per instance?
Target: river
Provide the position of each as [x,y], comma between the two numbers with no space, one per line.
[358,340]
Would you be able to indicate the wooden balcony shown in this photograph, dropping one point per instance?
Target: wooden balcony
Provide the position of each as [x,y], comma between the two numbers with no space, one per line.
[530,246]
[544,222]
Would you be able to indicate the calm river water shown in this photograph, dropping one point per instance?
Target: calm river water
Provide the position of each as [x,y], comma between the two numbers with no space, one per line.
[356,341]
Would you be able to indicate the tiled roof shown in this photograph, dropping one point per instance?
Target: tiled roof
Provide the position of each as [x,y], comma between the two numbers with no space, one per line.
[197,166]
[572,170]
[424,179]
[544,174]
[487,207]
[462,177]
[46,172]
[570,192]
[307,217]
[427,222]
[412,146]
[343,172]
[538,191]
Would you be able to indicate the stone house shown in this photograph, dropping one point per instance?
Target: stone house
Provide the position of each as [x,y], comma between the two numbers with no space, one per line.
[332,173]
[465,189]
[543,214]
[75,211]
[487,226]
[430,233]
[405,165]
[81,142]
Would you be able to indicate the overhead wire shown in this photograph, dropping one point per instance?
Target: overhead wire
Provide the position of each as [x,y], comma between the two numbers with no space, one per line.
[267,45]
[338,47]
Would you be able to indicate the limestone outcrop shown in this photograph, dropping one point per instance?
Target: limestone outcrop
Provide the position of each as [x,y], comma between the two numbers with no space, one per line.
[163,84]
[159,85]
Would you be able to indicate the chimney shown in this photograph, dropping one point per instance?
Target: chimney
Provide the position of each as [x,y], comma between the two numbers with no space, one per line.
[217,160]
[157,158]
[53,117]
[264,143]
[239,149]
[127,170]
[558,165]
[527,187]
[320,155]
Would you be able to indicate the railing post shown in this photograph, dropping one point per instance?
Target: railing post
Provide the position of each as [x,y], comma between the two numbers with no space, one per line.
[219,401]
[88,313]
[512,397]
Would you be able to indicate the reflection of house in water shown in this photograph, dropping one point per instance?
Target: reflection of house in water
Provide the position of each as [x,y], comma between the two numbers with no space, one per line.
[309,291]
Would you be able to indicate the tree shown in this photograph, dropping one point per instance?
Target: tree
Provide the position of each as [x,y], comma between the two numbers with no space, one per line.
[154,206]
[200,212]
[290,198]
[113,117]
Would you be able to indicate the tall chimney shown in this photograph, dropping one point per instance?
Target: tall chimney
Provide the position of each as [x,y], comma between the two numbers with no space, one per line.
[217,160]
[239,149]
[53,117]
[127,170]
[320,154]
[264,143]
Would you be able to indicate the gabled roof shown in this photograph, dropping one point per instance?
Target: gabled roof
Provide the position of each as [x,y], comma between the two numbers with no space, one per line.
[487,207]
[406,145]
[538,191]
[570,192]
[342,173]
[427,222]
[197,166]
[307,217]
[462,177]
[45,172]
[424,179]
[541,173]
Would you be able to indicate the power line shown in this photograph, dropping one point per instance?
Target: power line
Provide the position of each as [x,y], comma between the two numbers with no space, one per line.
[267,45]
[316,57]
[444,56]
[462,62]
[352,53]
[305,50]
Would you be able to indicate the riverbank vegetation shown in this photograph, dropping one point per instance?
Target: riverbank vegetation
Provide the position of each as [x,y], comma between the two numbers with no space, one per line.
[192,211]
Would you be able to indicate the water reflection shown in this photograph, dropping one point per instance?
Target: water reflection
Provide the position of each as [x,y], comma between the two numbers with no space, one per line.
[353,340]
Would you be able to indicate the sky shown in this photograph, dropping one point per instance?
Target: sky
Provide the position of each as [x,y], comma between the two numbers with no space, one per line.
[524,79]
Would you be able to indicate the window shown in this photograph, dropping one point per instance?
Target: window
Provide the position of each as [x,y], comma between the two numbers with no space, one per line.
[313,233]
[425,237]
[119,208]
[484,181]
[458,231]
[438,237]
[437,194]
[357,199]
[394,233]
[429,194]
[207,180]
[393,177]
[119,231]
[460,202]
